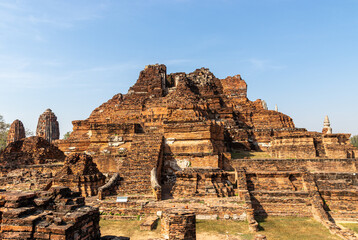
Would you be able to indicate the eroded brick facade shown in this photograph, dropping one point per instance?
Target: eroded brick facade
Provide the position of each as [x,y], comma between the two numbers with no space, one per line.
[16,132]
[47,126]
[57,214]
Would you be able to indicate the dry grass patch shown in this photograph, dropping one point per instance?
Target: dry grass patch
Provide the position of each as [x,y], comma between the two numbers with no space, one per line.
[294,228]
[127,228]
[353,226]
[277,228]
[222,228]
[206,230]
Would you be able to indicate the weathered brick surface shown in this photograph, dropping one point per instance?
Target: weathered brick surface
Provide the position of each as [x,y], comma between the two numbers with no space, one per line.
[47,126]
[28,151]
[135,171]
[178,225]
[313,165]
[196,113]
[56,214]
[202,182]
[28,177]
[16,132]
[80,174]
[312,145]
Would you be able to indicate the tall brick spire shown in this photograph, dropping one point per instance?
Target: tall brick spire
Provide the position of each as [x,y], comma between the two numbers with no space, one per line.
[16,131]
[47,126]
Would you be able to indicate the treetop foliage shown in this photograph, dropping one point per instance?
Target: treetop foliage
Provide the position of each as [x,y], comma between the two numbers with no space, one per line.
[4,128]
[354,141]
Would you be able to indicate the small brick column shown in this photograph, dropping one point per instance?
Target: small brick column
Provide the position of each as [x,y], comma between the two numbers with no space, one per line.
[178,225]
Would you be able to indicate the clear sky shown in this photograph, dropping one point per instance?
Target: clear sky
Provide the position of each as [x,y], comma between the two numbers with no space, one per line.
[71,56]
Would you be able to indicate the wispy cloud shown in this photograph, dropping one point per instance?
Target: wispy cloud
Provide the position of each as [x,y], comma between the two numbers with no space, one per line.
[24,73]
[177,61]
[25,19]
[261,64]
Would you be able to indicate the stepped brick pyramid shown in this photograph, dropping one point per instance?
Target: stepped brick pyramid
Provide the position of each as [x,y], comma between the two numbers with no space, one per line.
[174,121]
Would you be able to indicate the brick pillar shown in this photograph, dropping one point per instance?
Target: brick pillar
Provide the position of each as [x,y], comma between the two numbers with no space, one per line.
[178,225]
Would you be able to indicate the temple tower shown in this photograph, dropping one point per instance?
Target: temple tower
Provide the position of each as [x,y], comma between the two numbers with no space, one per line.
[327,126]
[16,132]
[47,126]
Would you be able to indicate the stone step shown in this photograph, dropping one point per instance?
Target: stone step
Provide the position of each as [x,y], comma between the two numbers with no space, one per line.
[149,223]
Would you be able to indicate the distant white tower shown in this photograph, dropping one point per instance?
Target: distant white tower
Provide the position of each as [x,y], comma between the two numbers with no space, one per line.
[327,126]
[264,104]
[276,108]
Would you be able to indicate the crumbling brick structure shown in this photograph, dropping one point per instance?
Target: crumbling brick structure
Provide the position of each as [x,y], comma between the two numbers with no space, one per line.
[202,183]
[80,174]
[176,121]
[28,151]
[47,126]
[16,132]
[199,116]
[313,145]
[178,225]
[56,214]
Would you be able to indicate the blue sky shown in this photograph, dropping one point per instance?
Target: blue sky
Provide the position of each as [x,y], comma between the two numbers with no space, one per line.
[71,56]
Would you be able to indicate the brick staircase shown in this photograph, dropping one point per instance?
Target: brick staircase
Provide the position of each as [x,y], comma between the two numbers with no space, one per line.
[281,203]
[141,159]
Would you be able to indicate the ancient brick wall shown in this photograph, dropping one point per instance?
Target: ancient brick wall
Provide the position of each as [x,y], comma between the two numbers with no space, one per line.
[341,204]
[80,174]
[152,80]
[145,154]
[202,182]
[57,214]
[234,86]
[178,225]
[275,181]
[28,151]
[339,191]
[278,190]
[311,145]
[313,165]
[281,203]
[30,177]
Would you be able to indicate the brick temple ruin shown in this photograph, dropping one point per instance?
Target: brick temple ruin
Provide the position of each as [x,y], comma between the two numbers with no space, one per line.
[168,142]
[16,132]
[47,126]
[55,214]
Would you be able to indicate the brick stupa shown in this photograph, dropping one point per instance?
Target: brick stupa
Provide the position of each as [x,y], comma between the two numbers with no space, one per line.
[16,132]
[47,126]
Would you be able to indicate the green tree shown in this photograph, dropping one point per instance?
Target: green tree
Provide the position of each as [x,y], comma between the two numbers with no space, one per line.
[67,135]
[4,128]
[354,141]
